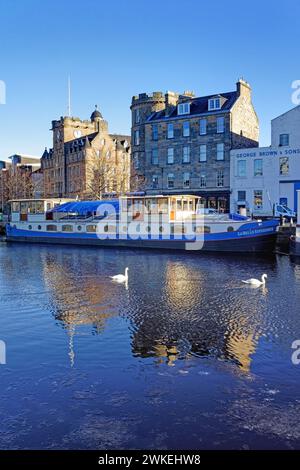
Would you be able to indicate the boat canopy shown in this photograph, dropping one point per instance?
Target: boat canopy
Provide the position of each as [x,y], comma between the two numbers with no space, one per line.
[88,207]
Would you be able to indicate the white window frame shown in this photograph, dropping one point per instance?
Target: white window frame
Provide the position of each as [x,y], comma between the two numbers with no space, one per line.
[183,108]
[220,125]
[187,153]
[203,126]
[254,168]
[170,177]
[203,153]
[186,128]
[186,179]
[170,155]
[220,152]
[238,172]
[170,133]
[214,104]
[203,179]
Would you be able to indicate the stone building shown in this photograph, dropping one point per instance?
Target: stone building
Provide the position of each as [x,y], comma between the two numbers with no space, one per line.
[86,161]
[181,143]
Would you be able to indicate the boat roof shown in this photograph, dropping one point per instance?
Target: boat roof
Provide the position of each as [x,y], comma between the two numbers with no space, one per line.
[85,207]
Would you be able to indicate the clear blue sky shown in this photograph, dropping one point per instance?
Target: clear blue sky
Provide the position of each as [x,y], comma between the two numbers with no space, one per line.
[115,49]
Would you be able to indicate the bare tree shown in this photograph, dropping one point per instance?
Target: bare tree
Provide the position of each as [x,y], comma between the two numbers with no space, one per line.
[105,172]
[17,183]
[137,180]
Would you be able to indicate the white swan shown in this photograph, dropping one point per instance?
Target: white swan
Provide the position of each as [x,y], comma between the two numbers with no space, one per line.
[256,282]
[120,277]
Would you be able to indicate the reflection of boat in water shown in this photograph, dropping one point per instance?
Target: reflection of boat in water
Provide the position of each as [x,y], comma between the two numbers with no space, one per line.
[161,222]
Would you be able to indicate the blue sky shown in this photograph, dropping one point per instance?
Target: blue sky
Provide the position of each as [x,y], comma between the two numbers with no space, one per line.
[115,49]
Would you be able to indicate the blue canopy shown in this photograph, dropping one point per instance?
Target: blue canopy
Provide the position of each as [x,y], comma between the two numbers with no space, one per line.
[89,207]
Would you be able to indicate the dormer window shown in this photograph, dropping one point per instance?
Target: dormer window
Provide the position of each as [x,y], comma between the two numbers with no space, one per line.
[214,103]
[183,108]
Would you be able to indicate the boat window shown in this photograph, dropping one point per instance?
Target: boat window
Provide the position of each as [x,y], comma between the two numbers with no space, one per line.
[15,207]
[79,228]
[230,229]
[185,205]
[39,207]
[67,228]
[24,207]
[163,205]
[39,227]
[191,204]
[178,204]
[30,227]
[154,206]
[51,228]
[206,229]
[91,228]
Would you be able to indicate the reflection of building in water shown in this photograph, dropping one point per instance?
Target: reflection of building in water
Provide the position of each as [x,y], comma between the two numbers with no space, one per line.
[192,323]
[76,300]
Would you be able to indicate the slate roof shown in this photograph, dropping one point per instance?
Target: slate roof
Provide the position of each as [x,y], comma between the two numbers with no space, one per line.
[198,106]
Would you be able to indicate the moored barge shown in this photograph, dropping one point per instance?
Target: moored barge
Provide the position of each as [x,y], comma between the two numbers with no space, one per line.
[175,222]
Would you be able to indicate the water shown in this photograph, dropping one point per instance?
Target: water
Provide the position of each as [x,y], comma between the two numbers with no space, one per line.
[186,357]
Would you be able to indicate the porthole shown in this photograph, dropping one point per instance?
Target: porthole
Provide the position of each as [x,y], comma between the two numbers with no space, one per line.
[30,227]
[206,229]
[230,229]
[39,227]
[79,228]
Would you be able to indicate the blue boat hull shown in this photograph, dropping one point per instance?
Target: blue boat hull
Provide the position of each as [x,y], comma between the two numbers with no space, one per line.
[252,244]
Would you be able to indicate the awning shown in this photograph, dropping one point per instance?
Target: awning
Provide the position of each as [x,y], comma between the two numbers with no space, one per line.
[106,207]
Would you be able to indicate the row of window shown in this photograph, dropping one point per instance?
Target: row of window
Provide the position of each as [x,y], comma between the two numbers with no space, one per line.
[185,108]
[258,170]
[93,228]
[186,129]
[186,155]
[257,198]
[186,180]
[66,228]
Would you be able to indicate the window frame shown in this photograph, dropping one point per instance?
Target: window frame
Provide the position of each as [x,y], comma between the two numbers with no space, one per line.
[170,155]
[183,108]
[188,154]
[223,152]
[220,128]
[201,153]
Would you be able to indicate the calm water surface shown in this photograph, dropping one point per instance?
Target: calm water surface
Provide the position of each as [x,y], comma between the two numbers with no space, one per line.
[186,357]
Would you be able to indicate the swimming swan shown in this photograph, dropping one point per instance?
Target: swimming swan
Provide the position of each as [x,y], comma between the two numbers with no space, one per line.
[256,282]
[120,277]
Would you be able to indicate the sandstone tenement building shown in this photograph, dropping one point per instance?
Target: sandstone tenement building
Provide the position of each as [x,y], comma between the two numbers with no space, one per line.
[86,161]
[181,143]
